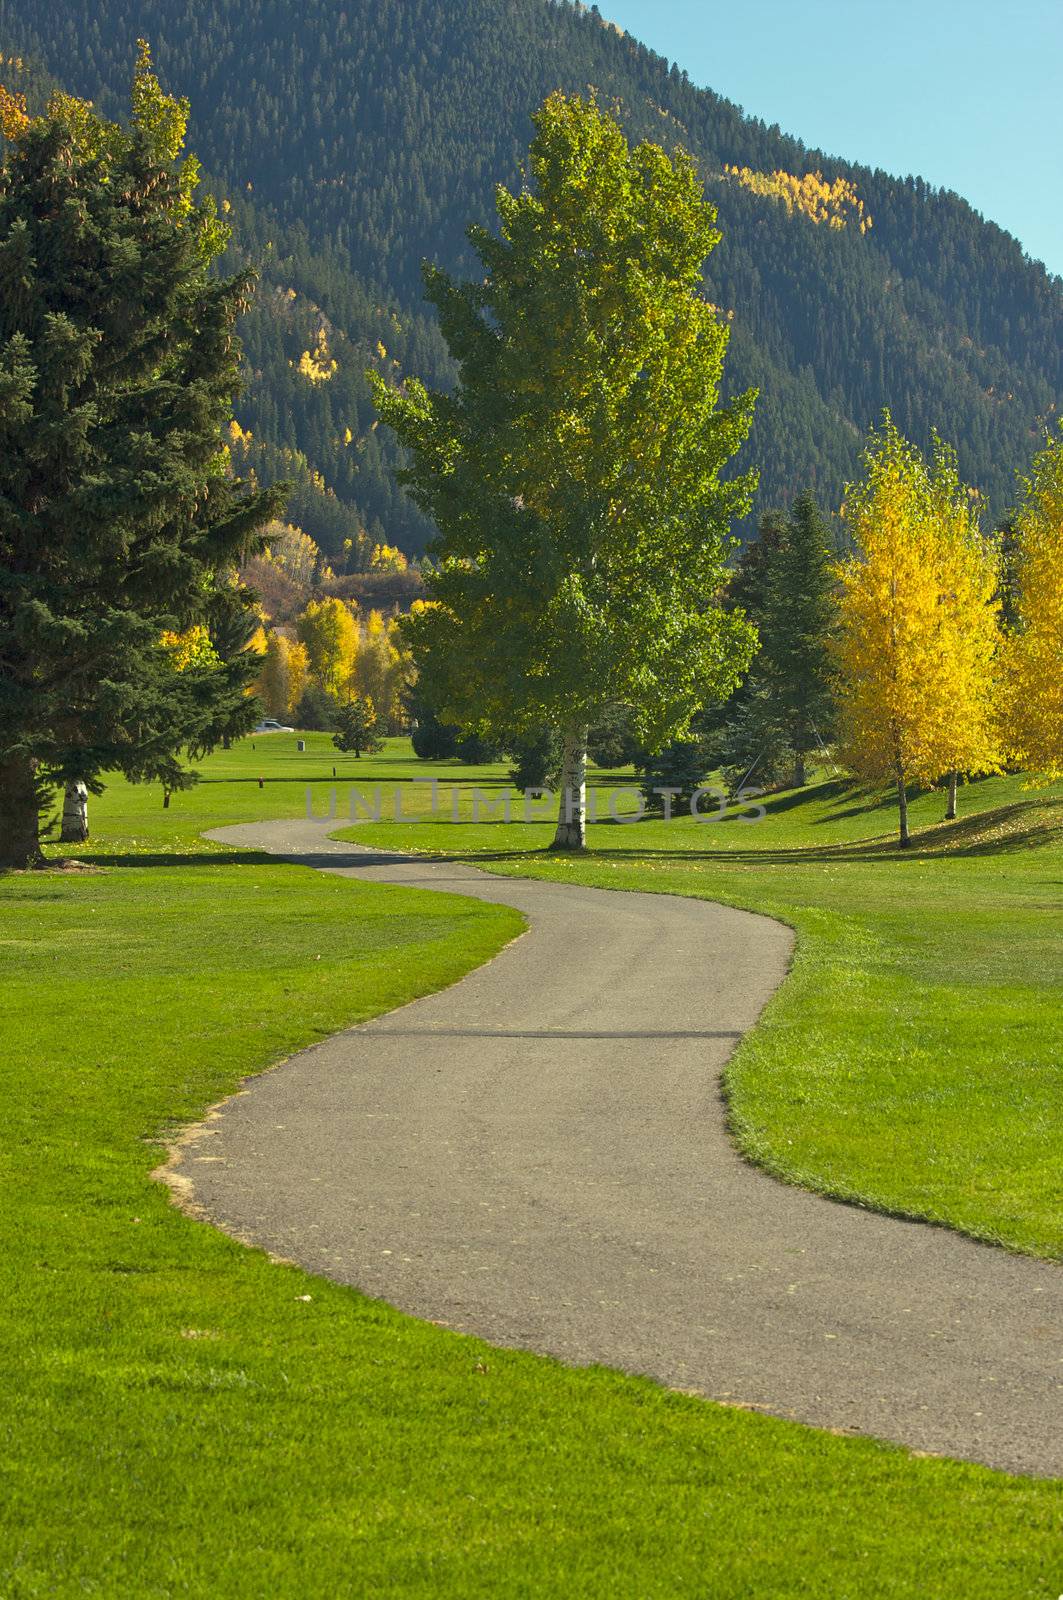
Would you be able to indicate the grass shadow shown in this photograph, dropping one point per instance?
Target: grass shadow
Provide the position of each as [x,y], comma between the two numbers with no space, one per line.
[176,858]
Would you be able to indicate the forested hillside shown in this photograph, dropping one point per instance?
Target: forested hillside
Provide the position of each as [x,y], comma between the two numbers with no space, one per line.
[349,142]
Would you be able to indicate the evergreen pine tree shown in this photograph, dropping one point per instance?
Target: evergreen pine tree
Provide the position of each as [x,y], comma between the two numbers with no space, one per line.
[118,364]
[779,713]
[736,732]
[798,614]
[536,758]
[749,584]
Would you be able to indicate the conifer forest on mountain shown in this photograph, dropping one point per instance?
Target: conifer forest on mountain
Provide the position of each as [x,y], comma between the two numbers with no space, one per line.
[347,144]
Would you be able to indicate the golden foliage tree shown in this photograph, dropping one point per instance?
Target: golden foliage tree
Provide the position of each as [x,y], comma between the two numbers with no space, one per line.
[298,673]
[1033,678]
[317,365]
[284,674]
[329,631]
[293,551]
[273,682]
[383,669]
[919,626]
[387,558]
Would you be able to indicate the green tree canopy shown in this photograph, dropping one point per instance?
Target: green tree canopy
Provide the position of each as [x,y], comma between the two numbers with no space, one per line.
[119,521]
[356,727]
[575,474]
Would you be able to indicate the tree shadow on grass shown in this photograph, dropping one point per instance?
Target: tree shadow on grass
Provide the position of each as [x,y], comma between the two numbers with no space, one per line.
[363,857]
[865,801]
[177,858]
[1004,830]
[1021,826]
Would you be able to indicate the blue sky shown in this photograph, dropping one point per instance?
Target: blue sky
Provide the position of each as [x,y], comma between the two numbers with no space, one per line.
[966,93]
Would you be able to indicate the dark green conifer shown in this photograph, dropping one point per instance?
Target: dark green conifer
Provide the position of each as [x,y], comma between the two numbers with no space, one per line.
[119,521]
[793,665]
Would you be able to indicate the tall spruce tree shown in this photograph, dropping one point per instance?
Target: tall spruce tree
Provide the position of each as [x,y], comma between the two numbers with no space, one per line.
[784,583]
[575,473]
[734,733]
[798,615]
[119,520]
[747,587]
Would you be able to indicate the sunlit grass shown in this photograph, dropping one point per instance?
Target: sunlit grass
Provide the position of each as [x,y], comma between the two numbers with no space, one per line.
[181,1416]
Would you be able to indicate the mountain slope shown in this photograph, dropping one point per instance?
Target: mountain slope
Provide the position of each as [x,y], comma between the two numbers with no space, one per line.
[353,142]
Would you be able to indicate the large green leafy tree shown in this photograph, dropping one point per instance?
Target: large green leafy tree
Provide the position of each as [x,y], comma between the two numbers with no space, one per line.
[356,723]
[118,518]
[574,475]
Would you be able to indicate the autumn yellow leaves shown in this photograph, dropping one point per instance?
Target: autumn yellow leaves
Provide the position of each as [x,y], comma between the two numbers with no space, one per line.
[13,117]
[836,203]
[343,655]
[932,680]
[1033,683]
[317,365]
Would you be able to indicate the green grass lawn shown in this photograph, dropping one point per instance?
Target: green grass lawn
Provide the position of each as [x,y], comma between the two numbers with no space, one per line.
[182,1417]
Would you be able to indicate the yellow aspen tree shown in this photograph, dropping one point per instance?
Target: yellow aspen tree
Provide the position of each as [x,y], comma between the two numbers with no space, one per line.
[387,558]
[966,738]
[918,625]
[1033,678]
[293,551]
[401,676]
[274,680]
[375,664]
[330,633]
[298,673]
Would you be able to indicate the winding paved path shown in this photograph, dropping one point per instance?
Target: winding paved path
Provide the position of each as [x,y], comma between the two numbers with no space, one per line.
[538,1155]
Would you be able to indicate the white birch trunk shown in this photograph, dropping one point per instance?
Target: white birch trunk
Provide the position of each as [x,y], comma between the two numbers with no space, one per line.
[572,816]
[75,829]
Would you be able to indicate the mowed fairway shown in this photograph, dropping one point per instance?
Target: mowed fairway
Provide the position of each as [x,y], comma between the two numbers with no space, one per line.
[181,1416]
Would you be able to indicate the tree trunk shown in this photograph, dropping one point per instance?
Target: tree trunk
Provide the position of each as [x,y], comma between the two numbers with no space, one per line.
[902,802]
[572,817]
[20,844]
[950,809]
[75,829]
[800,776]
